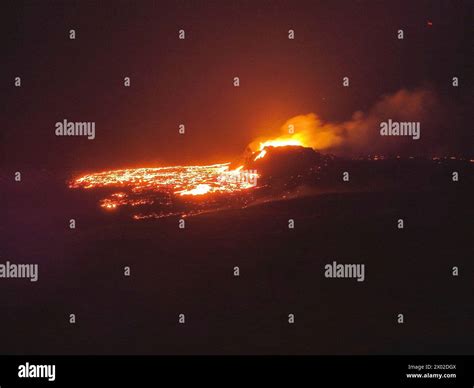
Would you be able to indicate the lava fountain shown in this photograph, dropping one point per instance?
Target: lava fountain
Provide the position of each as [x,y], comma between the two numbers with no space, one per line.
[277,143]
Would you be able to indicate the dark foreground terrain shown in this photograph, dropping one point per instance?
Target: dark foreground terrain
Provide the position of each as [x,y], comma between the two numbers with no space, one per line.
[190,271]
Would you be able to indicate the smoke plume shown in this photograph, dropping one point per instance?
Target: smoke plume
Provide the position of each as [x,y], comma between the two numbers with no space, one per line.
[361,134]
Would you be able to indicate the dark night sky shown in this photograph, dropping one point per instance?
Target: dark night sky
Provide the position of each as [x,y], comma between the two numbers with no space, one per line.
[190,81]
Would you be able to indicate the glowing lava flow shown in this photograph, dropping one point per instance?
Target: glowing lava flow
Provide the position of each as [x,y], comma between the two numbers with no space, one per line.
[199,190]
[169,178]
[178,180]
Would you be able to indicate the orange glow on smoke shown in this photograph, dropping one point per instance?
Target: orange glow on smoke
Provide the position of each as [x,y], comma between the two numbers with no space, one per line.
[305,131]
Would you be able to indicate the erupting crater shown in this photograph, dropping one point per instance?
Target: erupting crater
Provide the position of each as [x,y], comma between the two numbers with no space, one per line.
[164,187]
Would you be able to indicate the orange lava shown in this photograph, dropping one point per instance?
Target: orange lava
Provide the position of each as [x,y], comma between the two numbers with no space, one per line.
[177,180]
[277,143]
[198,190]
